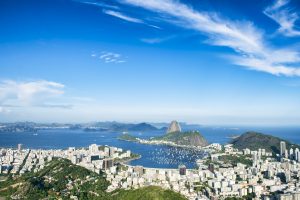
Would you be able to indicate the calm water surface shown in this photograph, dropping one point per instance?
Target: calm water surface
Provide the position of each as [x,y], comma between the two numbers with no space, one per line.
[152,155]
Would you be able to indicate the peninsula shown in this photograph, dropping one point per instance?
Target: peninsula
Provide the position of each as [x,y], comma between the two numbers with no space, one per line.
[173,137]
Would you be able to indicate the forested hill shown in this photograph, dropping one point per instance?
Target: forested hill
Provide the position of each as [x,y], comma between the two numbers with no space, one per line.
[60,179]
[254,141]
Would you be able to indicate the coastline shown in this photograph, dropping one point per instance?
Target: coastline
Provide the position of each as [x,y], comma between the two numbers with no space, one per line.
[131,159]
[166,143]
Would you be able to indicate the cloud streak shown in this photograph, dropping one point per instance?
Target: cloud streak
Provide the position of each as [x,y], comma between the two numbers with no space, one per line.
[123,16]
[128,18]
[282,15]
[244,38]
[114,11]
[99,4]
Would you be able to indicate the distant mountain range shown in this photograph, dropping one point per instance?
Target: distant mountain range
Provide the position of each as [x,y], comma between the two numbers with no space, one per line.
[92,126]
[88,127]
[255,141]
[17,129]
[132,127]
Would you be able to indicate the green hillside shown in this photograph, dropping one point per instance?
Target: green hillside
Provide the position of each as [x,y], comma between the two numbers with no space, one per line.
[191,138]
[148,193]
[60,179]
[254,141]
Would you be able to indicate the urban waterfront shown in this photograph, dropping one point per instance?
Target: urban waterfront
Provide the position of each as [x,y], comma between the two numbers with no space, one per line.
[158,156]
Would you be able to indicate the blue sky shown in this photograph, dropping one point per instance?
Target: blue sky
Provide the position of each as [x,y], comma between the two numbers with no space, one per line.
[209,62]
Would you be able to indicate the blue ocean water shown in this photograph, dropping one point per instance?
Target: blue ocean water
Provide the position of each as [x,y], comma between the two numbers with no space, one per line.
[152,155]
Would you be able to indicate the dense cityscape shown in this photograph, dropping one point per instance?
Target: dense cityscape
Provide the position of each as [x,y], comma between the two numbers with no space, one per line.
[149,100]
[253,174]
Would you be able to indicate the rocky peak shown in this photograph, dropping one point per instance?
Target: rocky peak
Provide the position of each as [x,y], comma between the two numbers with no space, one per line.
[174,127]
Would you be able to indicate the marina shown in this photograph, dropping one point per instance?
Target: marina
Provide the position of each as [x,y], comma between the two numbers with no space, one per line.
[154,156]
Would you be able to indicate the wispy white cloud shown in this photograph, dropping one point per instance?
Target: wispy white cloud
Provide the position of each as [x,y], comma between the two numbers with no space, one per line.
[284,16]
[266,65]
[154,26]
[114,10]
[157,40]
[99,4]
[31,93]
[252,50]
[109,57]
[123,16]
[128,18]
[152,40]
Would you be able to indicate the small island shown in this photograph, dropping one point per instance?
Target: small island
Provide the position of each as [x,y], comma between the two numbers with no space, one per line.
[128,137]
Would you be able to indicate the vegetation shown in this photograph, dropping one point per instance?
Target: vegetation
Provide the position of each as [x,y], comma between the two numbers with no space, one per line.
[234,198]
[235,159]
[248,197]
[209,161]
[127,137]
[231,159]
[200,186]
[254,141]
[193,138]
[148,193]
[60,179]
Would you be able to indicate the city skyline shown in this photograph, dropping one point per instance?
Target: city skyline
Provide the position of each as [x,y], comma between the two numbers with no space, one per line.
[233,63]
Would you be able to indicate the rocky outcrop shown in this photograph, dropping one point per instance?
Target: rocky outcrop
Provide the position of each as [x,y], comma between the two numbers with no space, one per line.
[174,127]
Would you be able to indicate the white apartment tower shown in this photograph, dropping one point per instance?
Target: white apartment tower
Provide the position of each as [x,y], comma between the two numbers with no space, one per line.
[297,154]
[282,148]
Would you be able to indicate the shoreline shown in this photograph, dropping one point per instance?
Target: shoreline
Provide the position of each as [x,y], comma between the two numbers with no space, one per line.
[131,159]
[162,142]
